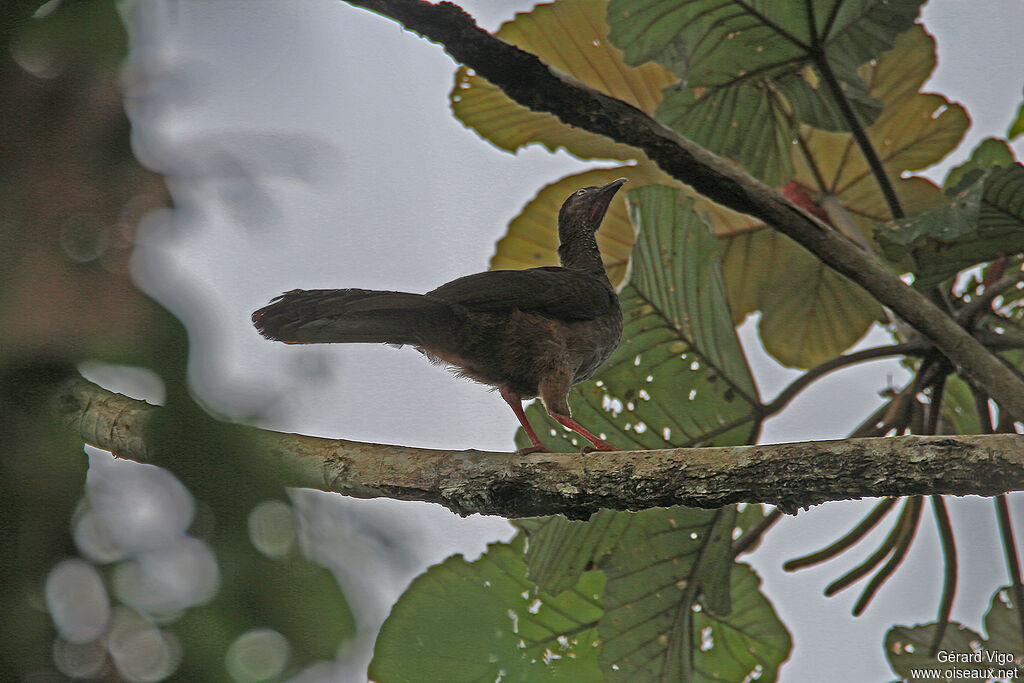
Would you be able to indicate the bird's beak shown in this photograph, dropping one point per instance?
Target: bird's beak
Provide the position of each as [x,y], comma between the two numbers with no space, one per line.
[603,198]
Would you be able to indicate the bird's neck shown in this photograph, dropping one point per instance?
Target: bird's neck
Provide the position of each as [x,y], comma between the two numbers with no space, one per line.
[580,252]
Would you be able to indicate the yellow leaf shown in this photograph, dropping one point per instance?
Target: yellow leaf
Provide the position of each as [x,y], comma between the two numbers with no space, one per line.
[532,238]
[570,35]
[808,312]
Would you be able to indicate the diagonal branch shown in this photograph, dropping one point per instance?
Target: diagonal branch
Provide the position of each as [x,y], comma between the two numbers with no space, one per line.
[790,476]
[530,82]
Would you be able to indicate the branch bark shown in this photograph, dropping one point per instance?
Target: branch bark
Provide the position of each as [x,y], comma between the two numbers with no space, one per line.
[790,476]
[530,82]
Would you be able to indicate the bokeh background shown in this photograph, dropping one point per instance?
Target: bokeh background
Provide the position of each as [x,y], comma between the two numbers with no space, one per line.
[310,144]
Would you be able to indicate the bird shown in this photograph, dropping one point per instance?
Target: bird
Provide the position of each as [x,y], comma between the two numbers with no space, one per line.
[527,333]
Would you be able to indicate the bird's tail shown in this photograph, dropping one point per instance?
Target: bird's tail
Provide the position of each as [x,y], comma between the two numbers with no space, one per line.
[353,315]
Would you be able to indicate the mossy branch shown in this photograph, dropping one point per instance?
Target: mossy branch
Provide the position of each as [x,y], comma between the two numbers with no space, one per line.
[791,476]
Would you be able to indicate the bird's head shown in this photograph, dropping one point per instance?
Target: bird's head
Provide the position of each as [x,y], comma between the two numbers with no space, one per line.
[584,210]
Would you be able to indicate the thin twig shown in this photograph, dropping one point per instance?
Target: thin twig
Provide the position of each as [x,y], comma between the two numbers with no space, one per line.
[967,316]
[818,371]
[949,574]
[906,530]
[856,534]
[754,533]
[938,388]
[876,557]
[876,424]
[1012,561]
[860,134]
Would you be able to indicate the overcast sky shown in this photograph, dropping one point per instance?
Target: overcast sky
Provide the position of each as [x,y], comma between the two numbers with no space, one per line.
[309,144]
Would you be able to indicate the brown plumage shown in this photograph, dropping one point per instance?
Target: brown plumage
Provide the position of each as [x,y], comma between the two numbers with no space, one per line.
[533,332]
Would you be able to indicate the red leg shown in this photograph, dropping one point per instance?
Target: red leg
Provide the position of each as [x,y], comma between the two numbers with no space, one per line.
[599,443]
[516,404]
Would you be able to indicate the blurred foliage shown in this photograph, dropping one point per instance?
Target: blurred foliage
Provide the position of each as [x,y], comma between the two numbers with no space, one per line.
[641,596]
[72,196]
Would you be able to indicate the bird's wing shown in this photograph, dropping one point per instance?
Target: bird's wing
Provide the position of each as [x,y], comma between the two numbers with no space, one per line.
[554,291]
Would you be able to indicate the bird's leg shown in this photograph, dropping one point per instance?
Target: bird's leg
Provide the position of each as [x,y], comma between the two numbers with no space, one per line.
[599,443]
[516,404]
[554,391]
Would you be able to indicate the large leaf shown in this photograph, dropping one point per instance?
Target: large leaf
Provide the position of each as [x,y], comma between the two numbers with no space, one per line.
[532,237]
[989,152]
[962,653]
[914,131]
[657,625]
[560,550]
[793,290]
[483,621]
[981,222]
[569,35]
[673,591]
[959,410]
[1002,622]
[1017,127]
[746,122]
[810,313]
[679,376]
[748,70]
[908,650]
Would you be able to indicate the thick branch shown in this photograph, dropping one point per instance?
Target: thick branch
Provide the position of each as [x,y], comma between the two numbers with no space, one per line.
[788,475]
[530,82]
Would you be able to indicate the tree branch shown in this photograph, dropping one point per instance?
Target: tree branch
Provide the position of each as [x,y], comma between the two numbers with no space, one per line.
[968,315]
[530,82]
[790,476]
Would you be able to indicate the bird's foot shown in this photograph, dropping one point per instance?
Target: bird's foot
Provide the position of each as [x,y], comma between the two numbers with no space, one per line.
[536,448]
[599,445]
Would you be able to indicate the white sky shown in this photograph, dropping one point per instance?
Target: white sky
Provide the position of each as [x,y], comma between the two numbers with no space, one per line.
[310,144]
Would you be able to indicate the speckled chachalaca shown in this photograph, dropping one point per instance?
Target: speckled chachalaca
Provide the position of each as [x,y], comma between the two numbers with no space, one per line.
[533,332]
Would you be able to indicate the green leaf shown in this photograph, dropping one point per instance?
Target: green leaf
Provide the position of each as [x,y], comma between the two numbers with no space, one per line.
[816,108]
[656,626]
[749,643]
[915,130]
[808,316]
[963,653]
[767,272]
[989,152]
[749,71]
[679,373]
[1017,127]
[569,35]
[908,651]
[90,31]
[982,222]
[532,237]
[560,550]
[959,412]
[483,621]
[1002,623]
[743,122]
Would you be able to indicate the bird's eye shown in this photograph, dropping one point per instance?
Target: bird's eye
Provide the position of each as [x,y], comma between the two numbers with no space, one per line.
[580,193]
